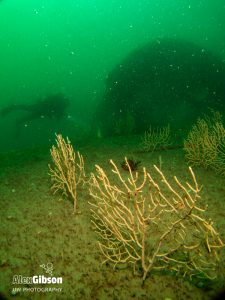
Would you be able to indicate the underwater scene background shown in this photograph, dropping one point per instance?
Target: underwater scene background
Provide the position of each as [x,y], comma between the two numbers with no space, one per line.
[141,83]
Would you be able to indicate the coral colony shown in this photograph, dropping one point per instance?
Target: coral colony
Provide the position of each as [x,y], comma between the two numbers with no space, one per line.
[150,223]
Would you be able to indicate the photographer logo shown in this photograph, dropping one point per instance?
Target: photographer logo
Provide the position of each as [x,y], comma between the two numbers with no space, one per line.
[47,280]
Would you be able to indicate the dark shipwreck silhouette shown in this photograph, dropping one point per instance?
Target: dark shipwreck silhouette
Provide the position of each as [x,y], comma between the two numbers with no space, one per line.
[167,81]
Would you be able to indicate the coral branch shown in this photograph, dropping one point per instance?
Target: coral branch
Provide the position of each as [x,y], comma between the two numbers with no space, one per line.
[205,144]
[157,225]
[68,171]
[154,139]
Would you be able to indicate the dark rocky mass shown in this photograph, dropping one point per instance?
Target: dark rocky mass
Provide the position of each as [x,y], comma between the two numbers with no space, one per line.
[166,81]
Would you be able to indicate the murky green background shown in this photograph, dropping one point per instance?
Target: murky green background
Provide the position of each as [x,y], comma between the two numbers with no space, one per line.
[70,46]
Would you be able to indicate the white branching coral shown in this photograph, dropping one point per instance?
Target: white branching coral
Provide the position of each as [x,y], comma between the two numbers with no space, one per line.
[155,224]
[156,139]
[68,170]
[205,143]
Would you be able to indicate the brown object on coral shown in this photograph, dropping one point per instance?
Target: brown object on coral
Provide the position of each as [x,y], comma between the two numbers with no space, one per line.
[130,163]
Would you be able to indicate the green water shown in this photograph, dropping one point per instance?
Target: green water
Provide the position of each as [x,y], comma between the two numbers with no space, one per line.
[124,65]
[70,47]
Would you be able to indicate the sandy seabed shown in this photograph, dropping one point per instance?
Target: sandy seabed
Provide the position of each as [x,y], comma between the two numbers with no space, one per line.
[38,228]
